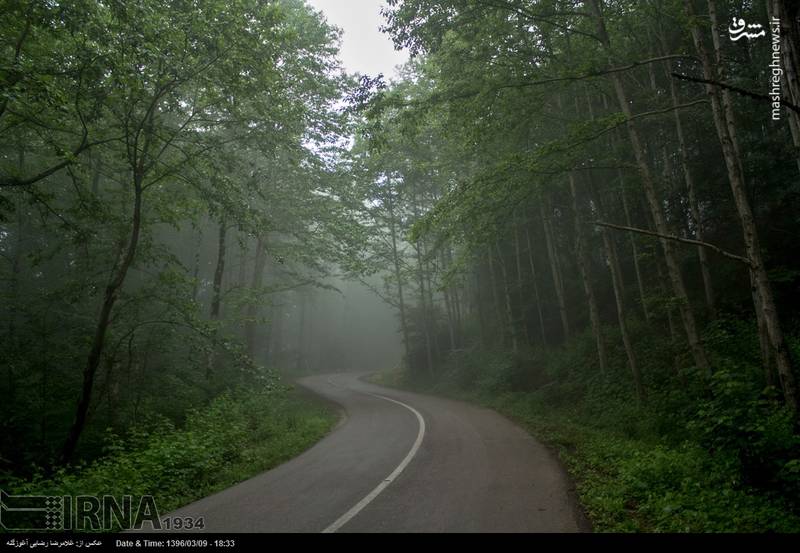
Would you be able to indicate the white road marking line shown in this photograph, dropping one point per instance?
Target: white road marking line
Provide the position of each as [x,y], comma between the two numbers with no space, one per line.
[345,518]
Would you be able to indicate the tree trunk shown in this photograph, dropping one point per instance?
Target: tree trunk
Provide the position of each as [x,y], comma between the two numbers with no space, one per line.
[722,111]
[454,299]
[242,277]
[763,335]
[558,284]
[250,324]
[275,338]
[520,286]
[220,271]
[635,250]
[98,341]
[656,208]
[418,248]
[619,295]
[536,295]
[434,331]
[495,301]
[301,362]
[398,274]
[482,324]
[584,267]
[196,272]
[507,294]
[787,12]
[424,310]
[694,207]
[449,306]
[674,339]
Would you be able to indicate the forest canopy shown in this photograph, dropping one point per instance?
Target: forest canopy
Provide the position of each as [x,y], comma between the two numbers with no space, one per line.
[594,203]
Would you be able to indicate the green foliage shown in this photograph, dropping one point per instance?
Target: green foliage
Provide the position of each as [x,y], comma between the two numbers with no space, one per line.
[629,485]
[235,437]
[213,114]
[737,419]
[522,107]
[692,459]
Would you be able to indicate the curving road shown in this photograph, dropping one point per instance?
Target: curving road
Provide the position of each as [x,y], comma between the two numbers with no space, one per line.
[402,462]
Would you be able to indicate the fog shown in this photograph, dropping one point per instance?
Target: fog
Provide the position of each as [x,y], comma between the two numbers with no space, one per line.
[583,213]
[350,329]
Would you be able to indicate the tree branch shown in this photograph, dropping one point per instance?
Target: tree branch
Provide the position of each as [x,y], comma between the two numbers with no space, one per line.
[737,90]
[9,182]
[717,249]
[541,82]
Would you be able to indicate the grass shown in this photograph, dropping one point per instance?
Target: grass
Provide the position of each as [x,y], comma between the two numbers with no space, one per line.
[231,440]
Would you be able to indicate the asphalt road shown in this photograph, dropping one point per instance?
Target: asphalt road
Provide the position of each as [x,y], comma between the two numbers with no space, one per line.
[402,462]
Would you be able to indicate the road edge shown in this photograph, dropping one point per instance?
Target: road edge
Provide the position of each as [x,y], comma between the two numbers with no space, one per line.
[582,517]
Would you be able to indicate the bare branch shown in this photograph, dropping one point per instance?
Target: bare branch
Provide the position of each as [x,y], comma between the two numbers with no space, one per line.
[717,249]
[737,90]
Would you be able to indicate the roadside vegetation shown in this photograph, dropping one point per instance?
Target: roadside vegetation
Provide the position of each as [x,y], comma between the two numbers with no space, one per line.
[237,436]
[171,194]
[727,463]
[584,213]
[591,226]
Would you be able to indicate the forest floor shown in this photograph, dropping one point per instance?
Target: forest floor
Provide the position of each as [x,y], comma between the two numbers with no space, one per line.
[627,484]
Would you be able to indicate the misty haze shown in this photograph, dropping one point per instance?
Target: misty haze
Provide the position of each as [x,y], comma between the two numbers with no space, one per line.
[397,266]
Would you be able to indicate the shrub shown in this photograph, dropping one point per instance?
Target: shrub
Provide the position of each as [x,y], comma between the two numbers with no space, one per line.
[234,437]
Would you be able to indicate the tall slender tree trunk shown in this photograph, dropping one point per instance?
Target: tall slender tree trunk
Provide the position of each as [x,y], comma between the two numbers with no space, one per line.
[495,300]
[520,286]
[482,324]
[656,208]
[694,206]
[98,341]
[251,324]
[301,335]
[219,271]
[635,250]
[449,306]
[787,12]
[424,310]
[398,274]
[451,331]
[674,337]
[196,271]
[618,284]
[619,296]
[512,330]
[276,336]
[457,294]
[96,164]
[216,297]
[558,283]
[423,297]
[455,300]
[722,110]
[584,265]
[437,350]
[534,278]
[763,335]
[242,277]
